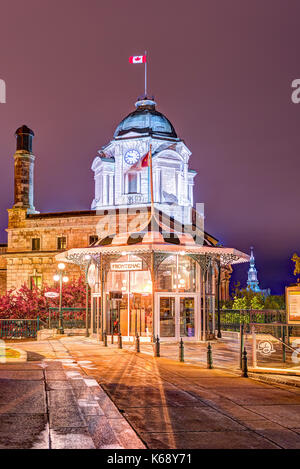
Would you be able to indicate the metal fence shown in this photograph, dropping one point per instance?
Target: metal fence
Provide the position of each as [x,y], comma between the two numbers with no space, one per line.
[73,318]
[19,328]
[231,319]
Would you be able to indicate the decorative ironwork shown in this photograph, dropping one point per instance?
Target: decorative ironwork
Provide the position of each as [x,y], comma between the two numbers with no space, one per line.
[18,328]
[146,257]
[106,261]
[73,318]
[159,257]
[227,259]
[83,259]
[204,260]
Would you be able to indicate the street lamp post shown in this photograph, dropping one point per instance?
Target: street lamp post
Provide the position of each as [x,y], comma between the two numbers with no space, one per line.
[88,262]
[219,335]
[60,277]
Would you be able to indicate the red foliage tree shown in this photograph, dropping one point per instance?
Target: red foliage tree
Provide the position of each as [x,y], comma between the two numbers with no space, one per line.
[28,304]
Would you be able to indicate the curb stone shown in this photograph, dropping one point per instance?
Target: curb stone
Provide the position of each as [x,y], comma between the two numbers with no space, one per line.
[106,425]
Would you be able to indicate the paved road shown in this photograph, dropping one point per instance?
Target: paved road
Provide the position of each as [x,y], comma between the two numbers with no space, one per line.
[175,405]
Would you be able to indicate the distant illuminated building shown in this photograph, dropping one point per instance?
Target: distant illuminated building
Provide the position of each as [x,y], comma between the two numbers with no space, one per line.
[252,281]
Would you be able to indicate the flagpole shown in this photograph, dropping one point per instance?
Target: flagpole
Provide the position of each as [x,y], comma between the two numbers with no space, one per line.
[151,177]
[146,74]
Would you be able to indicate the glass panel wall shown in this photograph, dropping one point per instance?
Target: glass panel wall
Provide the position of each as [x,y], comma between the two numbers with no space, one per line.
[187,317]
[166,275]
[167,316]
[95,313]
[141,314]
[129,301]
[186,274]
[177,273]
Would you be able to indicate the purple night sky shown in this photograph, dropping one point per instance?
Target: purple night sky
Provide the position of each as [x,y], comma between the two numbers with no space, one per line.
[221,71]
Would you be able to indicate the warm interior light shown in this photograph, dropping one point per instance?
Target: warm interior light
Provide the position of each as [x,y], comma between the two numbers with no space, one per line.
[148,287]
[124,253]
[56,278]
[87,257]
[65,279]
[61,266]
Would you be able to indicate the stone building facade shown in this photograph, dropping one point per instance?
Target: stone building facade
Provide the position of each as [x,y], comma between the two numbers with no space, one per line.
[34,239]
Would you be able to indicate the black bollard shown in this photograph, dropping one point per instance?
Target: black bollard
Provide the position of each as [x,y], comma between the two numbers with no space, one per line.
[157,347]
[209,356]
[245,364]
[137,343]
[120,340]
[105,339]
[181,351]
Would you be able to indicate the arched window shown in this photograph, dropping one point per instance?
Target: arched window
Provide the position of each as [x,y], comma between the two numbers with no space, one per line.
[132,182]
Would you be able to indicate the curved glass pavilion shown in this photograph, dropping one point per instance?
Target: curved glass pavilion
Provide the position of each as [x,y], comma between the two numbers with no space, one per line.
[155,282]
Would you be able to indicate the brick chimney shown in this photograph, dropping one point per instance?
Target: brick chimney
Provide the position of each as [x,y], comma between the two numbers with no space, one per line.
[24,167]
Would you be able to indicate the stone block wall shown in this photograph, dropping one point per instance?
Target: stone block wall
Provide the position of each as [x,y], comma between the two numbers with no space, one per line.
[77,227]
[20,269]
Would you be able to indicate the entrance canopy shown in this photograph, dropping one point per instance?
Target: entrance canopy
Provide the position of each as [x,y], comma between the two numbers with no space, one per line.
[158,234]
[158,280]
[226,255]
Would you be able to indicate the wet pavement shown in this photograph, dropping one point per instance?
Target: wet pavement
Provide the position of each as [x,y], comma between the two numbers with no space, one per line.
[167,403]
[50,402]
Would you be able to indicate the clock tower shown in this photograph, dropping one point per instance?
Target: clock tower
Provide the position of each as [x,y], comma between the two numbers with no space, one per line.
[121,182]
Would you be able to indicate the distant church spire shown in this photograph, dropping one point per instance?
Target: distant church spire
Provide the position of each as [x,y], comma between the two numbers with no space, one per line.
[252,281]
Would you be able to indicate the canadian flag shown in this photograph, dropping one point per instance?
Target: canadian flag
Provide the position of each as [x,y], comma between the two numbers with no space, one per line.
[141,163]
[137,59]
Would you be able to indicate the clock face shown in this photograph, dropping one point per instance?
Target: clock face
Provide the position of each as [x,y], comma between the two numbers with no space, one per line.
[131,157]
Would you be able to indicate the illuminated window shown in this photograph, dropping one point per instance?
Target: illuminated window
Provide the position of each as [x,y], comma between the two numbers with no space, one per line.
[132,183]
[36,244]
[177,273]
[61,243]
[35,280]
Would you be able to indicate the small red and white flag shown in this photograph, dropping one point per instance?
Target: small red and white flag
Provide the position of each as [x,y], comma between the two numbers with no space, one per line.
[141,163]
[137,59]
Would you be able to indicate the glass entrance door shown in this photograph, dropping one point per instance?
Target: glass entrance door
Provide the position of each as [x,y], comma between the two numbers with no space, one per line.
[95,313]
[167,316]
[187,316]
[176,316]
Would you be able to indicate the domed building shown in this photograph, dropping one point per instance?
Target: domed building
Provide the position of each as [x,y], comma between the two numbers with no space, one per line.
[146,120]
[150,266]
[120,183]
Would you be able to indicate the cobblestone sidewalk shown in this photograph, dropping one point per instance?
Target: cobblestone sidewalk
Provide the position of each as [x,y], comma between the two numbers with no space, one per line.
[54,404]
[168,404]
